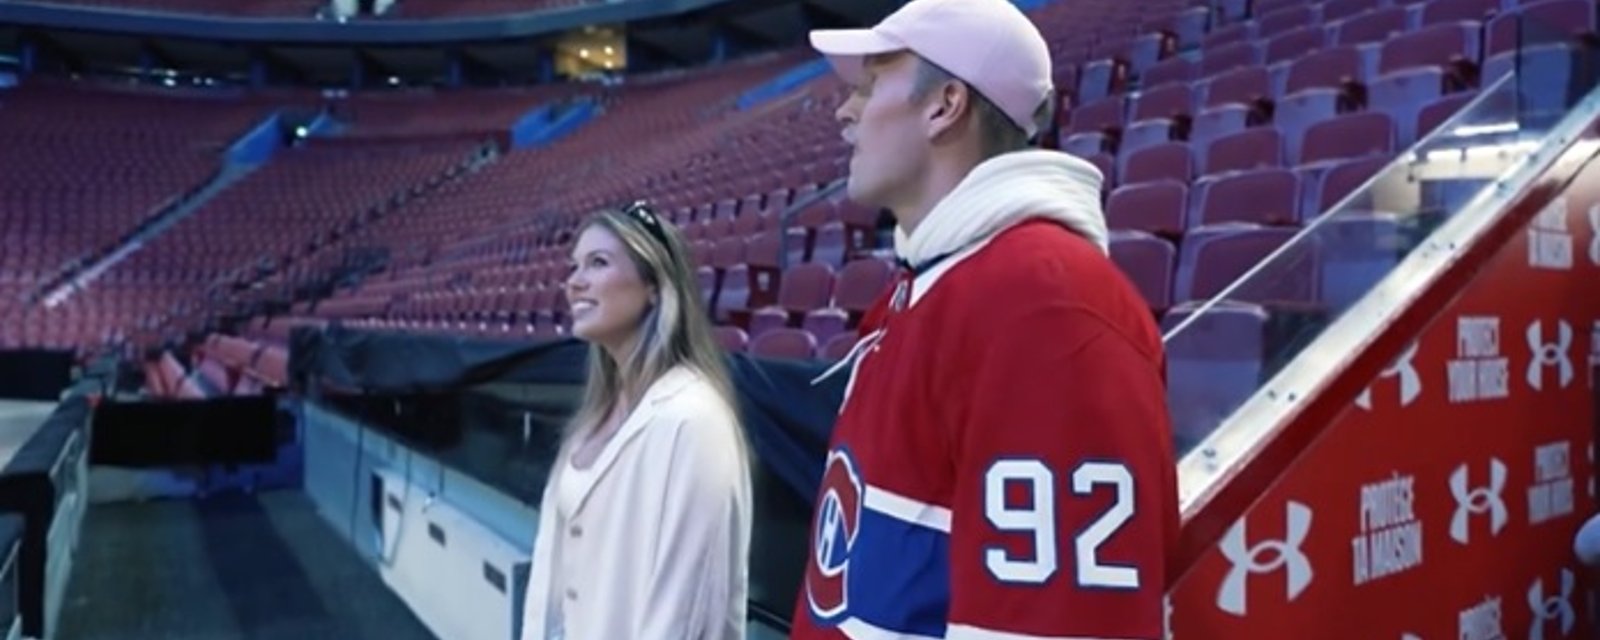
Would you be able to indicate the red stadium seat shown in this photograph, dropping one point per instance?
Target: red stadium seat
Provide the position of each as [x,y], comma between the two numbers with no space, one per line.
[805,287]
[1171,161]
[1287,19]
[731,339]
[785,342]
[839,346]
[1101,116]
[1170,71]
[1438,111]
[1260,196]
[1442,11]
[1336,10]
[1101,78]
[1230,34]
[1158,207]
[1168,102]
[1214,62]
[1339,180]
[1149,262]
[1352,136]
[1213,257]
[1376,25]
[1248,86]
[1213,366]
[1295,44]
[1256,148]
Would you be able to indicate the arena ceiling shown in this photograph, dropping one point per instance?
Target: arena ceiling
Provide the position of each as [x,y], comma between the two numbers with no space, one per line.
[656,33]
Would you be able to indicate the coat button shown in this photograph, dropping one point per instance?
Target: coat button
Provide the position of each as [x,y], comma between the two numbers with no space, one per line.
[576,531]
[572,594]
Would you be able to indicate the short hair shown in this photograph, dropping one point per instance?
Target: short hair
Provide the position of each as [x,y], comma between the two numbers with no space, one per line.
[998,133]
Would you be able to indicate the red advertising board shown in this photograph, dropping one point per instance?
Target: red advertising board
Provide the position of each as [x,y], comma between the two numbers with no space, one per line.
[1443,502]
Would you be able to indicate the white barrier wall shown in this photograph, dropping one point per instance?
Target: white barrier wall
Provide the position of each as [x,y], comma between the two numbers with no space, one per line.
[71,473]
[453,549]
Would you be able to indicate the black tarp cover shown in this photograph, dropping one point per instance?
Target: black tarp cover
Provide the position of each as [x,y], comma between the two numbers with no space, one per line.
[35,374]
[786,415]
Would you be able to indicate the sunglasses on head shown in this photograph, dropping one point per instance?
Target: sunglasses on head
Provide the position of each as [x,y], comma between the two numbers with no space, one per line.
[641,212]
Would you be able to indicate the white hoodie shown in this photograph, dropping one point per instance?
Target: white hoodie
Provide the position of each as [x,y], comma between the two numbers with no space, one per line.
[1006,190]
[996,195]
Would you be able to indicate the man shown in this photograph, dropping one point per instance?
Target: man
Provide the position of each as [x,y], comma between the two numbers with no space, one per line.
[1001,467]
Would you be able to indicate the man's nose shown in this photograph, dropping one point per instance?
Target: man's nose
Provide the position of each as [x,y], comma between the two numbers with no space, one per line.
[846,114]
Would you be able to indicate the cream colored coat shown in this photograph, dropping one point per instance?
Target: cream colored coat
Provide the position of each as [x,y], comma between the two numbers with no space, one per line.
[658,546]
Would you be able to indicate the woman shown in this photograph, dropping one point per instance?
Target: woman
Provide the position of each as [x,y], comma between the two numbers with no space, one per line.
[644,526]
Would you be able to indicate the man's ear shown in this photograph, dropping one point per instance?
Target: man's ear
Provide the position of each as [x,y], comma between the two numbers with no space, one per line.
[946,107]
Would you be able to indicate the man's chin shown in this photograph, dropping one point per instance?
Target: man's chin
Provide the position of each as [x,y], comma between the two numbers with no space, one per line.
[857,190]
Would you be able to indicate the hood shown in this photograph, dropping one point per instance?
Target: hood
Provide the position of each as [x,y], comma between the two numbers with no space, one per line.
[1006,190]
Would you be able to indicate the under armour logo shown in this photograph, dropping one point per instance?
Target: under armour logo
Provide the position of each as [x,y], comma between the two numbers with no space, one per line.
[1246,560]
[1478,500]
[1552,608]
[1410,382]
[1594,355]
[1549,354]
[1166,617]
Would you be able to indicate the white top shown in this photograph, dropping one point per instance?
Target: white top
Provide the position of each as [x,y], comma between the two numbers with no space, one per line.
[569,494]
[652,541]
[569,489]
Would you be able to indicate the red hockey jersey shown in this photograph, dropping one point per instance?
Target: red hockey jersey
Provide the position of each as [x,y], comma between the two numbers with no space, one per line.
[1002,464]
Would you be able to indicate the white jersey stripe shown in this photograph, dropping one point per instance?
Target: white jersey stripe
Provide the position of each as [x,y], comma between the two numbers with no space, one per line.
[858,629]
[902,508]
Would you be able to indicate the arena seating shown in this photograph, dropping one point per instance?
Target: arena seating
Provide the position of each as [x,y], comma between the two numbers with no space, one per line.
[497,270]
[1222,128]
[260,222]
[457,113]
[1218,142]
[1221,140]
[303,199]
[83,169]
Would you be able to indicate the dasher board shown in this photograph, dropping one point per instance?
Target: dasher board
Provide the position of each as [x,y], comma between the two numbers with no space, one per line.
[18,422]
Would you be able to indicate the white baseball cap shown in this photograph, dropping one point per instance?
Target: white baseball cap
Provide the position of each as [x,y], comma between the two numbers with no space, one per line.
[989,44]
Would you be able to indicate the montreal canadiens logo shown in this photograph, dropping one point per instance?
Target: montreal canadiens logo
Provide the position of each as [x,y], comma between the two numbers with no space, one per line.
[833,533]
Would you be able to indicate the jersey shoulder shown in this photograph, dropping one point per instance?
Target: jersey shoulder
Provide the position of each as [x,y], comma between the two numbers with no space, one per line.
[1040,263]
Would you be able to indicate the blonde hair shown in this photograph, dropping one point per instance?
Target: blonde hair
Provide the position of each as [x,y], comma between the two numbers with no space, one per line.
[675,331]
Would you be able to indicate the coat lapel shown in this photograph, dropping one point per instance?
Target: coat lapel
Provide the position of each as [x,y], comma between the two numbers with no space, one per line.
[537,597]
[665,387]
